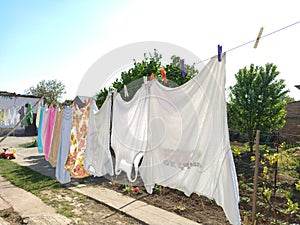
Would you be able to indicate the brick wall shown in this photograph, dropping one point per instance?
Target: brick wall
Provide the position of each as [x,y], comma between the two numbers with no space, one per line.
[291,130]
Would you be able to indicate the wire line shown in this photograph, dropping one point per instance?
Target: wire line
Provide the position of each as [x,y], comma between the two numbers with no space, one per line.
[249,42]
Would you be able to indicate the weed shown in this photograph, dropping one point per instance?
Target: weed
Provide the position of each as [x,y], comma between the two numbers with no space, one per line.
[181,207]
[157,189]
[29,144]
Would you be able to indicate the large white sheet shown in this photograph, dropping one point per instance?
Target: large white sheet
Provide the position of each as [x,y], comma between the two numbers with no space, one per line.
[183,135]
[97,158]
[129,132]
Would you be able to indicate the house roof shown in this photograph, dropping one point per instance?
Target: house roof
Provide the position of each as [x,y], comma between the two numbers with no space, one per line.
[9,94]
[79,100]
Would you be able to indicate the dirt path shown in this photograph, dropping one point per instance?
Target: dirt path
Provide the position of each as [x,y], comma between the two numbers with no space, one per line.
[86,210]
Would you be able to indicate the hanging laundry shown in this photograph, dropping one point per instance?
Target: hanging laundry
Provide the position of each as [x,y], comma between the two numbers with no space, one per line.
[28,116]
[40,130]
[15,117]
[49,131]
[126,94]
[163,73]
[22,114]
[79,130]
[37,120]
[129,131]
[7,117]
[183,135]
[97,157]
[44,126]
[145,79]
[56,137]
[2,117]
[62,175]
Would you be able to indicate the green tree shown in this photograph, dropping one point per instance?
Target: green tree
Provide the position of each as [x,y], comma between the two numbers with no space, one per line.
[51,90]
[257,101]
[133,78]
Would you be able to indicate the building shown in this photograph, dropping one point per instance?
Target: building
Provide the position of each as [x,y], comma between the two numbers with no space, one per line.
[291,130]
[13,109]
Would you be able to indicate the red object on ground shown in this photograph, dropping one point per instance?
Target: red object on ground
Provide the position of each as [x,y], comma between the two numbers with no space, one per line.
[136,189]
[6,155]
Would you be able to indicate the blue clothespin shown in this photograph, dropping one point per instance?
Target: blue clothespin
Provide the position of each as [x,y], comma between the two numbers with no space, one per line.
[219,52]
[183,73]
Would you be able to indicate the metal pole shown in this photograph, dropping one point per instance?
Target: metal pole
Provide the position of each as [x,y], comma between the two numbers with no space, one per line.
[255,177]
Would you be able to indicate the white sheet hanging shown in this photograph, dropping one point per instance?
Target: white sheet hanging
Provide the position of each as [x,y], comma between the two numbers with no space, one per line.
[97,159]
[182,135]
[129,131]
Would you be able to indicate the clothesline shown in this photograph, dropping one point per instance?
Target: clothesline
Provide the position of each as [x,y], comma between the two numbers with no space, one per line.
[155,136]
[249,42]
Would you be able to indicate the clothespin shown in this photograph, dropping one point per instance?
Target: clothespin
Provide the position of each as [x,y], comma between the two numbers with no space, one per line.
[126,91]
[258,37]
[182,67]
[152,76]
[163,73]
[219,52]
[145,79]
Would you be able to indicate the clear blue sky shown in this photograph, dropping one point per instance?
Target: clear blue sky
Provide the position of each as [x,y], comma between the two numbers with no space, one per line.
[61,39]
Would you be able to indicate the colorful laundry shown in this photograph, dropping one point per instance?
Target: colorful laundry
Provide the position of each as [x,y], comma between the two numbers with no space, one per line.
[56,137]
[28,116]
[165,135]
[40,130]
[49,131]
[44,126]
[37,120]
[79,130]
[62,175]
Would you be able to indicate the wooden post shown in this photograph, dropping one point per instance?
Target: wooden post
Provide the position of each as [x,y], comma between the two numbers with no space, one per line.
[255,177]
[276,164]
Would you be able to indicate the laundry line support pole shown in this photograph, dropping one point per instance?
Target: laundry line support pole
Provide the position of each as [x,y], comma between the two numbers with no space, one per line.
[255,177]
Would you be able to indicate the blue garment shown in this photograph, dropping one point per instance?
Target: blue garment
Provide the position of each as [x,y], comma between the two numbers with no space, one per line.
[62,175]
[40,145]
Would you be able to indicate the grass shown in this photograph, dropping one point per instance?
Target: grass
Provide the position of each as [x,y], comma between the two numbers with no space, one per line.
[42,186]
[29,144]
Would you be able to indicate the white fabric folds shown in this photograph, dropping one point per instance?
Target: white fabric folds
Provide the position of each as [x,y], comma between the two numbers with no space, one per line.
[182,135]
[97,156]
[129,132]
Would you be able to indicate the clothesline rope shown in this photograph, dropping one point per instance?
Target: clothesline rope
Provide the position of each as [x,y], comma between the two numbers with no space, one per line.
[249,42]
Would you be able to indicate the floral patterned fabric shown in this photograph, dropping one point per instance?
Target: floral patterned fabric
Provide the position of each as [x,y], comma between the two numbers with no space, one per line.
[79,130]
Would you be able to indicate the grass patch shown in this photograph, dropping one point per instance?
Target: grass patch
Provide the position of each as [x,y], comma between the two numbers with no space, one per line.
[29,144]
[44,187]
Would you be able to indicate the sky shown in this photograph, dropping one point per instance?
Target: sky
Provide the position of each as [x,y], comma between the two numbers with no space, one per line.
[61,39]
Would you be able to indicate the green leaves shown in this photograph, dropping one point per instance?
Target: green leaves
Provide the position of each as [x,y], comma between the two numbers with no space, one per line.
[51,90]
[257,100]
[133,78]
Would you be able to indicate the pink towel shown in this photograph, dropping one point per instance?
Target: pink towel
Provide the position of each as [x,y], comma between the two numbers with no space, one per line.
[49,131]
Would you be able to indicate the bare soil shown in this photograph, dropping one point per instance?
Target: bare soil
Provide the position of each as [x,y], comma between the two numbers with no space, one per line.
[196,208]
